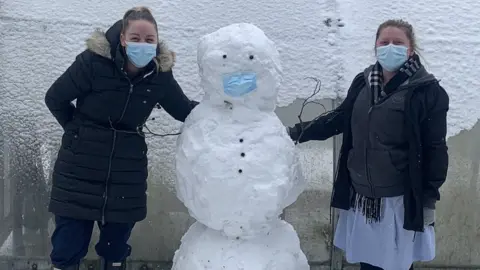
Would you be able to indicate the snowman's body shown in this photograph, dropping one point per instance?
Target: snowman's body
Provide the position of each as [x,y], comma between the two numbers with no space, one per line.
[236,165]
[236,169]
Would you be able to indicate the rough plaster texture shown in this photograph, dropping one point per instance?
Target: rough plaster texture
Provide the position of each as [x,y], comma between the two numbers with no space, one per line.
[40,38]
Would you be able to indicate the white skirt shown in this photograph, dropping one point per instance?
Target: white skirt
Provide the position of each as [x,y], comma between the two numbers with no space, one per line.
[384,244]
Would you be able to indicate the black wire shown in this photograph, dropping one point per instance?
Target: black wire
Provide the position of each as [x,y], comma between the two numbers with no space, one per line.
[149,132]
[307,101]
[158,135]
[140,132]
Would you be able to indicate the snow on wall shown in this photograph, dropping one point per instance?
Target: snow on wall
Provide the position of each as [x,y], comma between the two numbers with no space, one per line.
[40,38]
[449,37]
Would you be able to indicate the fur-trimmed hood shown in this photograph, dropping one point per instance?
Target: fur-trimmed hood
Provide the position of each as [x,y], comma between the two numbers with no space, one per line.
[105,44]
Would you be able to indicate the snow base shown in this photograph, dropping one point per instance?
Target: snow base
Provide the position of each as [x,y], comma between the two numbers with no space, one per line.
[204,248]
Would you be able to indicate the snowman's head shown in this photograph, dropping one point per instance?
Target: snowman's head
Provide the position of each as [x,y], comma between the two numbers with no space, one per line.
[239,64]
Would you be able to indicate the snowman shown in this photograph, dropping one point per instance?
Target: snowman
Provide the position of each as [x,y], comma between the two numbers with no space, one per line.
[237,168]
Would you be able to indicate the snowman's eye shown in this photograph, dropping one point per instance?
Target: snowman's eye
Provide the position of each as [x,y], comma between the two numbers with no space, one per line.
[251,57]
[224,56]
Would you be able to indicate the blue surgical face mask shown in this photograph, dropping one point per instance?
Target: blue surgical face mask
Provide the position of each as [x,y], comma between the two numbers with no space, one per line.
[239,84]
[140,54]
[391,57]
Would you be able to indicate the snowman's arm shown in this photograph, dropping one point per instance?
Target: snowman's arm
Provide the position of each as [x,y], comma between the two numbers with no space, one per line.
[175,102]
[73,83]
[333,122]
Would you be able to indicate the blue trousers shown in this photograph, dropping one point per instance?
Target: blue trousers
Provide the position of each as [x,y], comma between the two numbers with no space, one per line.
[71,239]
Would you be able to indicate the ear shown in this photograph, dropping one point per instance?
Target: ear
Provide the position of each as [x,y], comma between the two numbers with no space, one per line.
[123,40]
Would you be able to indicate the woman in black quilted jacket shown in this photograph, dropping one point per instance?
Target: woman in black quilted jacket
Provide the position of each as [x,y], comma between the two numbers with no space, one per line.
[101,171]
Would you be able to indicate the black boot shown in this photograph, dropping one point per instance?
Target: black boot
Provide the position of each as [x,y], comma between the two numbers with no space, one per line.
[71,267]
[107,265]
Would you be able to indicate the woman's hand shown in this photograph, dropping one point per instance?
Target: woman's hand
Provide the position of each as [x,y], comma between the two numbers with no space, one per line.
[428,216]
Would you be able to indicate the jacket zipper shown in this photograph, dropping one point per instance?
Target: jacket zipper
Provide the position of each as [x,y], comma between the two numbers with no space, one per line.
[105,194]
[367,141]
[367,144]
[107,180]
[130,91]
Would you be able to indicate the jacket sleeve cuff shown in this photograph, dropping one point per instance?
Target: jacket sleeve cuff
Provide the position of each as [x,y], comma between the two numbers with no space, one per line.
[293,132]
[429,203]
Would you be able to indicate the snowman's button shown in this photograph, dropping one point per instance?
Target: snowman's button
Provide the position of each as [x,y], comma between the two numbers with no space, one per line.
[241,140]
[242,154]
[240,171]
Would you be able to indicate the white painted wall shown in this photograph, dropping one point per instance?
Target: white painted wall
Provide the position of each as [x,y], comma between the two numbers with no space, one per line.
[40,38]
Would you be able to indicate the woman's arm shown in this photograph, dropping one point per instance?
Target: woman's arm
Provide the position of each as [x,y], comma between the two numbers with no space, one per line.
[321,128]
[74,82]
[175,102]
[332,123]
[434,146]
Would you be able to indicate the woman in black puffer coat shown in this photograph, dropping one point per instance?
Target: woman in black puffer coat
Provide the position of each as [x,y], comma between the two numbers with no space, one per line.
[101,171]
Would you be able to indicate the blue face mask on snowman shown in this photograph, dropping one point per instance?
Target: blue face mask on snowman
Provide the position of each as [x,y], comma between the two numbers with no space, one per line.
[392,57]
[239,84]
[140,54]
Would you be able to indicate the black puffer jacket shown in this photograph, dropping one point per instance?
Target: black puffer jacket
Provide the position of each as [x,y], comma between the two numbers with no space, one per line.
[101,169]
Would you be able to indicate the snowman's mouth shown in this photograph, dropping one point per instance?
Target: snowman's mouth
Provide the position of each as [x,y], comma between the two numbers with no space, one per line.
[238,84]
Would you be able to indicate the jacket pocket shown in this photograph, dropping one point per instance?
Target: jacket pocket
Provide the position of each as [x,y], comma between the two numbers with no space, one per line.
[386,168]
[399,159]
[356,167]
[71,140]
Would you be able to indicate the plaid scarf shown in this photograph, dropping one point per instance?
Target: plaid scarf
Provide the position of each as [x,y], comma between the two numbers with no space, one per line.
[411,66]
[372,207]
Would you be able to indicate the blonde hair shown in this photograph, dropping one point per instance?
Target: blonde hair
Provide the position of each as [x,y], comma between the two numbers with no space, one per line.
[138,13]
